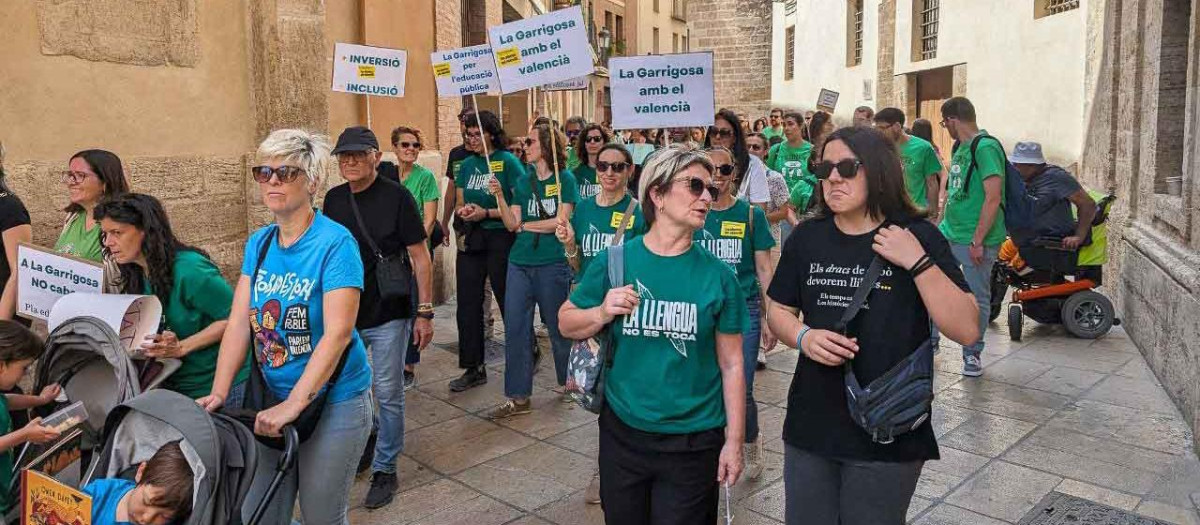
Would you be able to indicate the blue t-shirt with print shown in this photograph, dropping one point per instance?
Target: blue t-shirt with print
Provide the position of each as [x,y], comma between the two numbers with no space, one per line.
[287,308]
[106,494]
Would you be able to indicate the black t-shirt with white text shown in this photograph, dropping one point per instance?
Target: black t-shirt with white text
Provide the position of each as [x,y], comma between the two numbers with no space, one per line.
[457,154]
[390,213]
[12,214]
[818,272]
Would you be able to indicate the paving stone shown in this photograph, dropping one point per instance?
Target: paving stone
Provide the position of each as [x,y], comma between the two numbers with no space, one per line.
[476,399]
[1161,432]
[1001,399]
[529,520]
[1167,512]
[1132,393]
[770,422]
[935,484]
[947,417]
[551,416]
[1075,466]
[769,502]
[1091,492]
[458,444]
[584,439]
[771,386]
[944,380]
[572,510]
[480,510]
[422,409]
[1065,380]
[1004,491]
[916,507]
[419,503]
[956,462]
[784,360]
[1016,371]
[1097,361]
[437,366]
[772,472]
[1102,449]
[744,516]
[531,477]
[944,514]
[986,434]
[1138,369]
[1180,482]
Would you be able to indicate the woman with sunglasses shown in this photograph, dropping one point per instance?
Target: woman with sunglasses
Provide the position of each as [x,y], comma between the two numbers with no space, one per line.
[751,183]
[738,234]
[759,125]
[588,145]
[484,241]
[537,268]
[599,217]
[673,422]
[834,473]
[91,176]
[296,301]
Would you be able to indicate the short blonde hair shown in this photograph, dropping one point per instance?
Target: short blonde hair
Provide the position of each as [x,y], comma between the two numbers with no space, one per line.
[308,150]
[660,170]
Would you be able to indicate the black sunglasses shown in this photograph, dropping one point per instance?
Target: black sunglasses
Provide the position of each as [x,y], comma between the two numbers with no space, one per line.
[847,169]
[475,135]
[755,147]
[724,169]
[286,174]
[406,145]
[528,141]
[616,167]
[594,139]
[720,132]
[697,187]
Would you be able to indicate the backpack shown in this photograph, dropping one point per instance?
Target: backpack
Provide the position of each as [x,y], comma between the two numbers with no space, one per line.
[1018,205]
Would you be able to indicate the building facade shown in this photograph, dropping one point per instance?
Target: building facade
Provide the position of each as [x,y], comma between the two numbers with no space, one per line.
[658,27]
[738,34]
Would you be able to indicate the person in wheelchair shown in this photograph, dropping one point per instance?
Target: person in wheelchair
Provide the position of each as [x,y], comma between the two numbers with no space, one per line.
[1050,249]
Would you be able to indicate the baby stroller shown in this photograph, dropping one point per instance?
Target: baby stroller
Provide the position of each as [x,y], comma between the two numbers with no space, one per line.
[1043,291]
[221,451]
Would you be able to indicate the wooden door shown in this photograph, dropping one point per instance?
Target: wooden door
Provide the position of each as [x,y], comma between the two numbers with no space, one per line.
[933,88]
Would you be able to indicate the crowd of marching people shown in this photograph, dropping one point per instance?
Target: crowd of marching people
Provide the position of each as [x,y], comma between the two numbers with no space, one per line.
[860,246]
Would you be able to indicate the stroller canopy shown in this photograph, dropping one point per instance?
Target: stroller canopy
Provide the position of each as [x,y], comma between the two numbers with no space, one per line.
[86,358]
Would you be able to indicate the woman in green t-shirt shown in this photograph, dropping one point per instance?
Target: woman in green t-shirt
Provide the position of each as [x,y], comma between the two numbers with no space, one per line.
[92,175]
[598,218]
[673,421]
[195,297]
[588,146]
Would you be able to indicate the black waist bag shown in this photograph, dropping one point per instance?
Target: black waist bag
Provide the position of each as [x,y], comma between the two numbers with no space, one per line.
[901,399]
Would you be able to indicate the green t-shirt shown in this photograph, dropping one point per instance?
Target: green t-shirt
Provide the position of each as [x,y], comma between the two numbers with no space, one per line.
[572,159]
[770,133]
[77,240]
[595,226]
[802,192]
[789,161]
[423,187]
[473,178]
[6,460]
[920,161]
[536,249]
[726,233]
[665,377]
[588,185]
[199,297]
[963,205]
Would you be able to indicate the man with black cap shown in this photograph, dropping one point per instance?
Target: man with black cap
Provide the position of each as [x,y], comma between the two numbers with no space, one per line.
[382,215]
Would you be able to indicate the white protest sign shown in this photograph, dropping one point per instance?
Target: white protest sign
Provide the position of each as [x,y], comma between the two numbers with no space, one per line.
[131,317]
[662,91]
[827,100]
[540,50]
[367,70]
[574,84]
[44,277]
[464,71]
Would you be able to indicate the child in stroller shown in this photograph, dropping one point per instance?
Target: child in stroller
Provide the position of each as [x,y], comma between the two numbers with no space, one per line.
[161,493]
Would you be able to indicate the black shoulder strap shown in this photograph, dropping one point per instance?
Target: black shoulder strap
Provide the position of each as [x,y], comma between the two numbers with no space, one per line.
[860,294]
[971,168]
[262,254]
[362,225]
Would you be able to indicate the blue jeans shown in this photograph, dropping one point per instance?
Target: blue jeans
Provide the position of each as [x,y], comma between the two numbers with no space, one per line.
[979,280]
[324,469]
[547,286]
[387,345]
[750,364]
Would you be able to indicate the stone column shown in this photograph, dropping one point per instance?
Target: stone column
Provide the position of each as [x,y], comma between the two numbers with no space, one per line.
[738,32]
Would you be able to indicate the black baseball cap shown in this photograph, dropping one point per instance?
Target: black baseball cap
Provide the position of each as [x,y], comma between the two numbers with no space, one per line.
[356,138]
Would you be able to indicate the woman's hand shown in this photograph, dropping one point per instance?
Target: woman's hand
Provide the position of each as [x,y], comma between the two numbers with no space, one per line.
[476,213]
[164,345]
[211,402]
[619,301]
[729,466]
[564,232]
[828,348]
[494,186]
[49,394]
[422,332]
[446,233]
[270,422]
[36,432]
[768,341]
[899,246]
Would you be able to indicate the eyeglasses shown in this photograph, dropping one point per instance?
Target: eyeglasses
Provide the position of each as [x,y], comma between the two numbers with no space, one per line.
[725,169]
[285,174]
[755,147]
[720,132]
[847,169]
[74,177]
[883,125]
[354,157]
[572,133]
[528,141]
[594,139]
[472,135]
[697,186]
[946,121]
[406,145]
[616,167]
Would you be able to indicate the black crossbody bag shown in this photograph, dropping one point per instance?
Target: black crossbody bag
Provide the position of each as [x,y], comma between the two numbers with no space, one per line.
[259,396]
[393,274]
[901,399]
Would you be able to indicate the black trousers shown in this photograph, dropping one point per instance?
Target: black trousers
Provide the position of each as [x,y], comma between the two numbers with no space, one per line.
[471,272]
[658,479]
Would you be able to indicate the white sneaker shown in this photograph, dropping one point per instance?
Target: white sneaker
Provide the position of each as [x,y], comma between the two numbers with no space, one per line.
[752,458]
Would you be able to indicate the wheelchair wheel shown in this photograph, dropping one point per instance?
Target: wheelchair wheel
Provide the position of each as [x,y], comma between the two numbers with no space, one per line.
[999,290]
[1088,314]
[1015,319]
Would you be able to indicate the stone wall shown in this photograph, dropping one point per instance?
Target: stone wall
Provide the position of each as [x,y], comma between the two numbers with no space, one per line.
[738,33]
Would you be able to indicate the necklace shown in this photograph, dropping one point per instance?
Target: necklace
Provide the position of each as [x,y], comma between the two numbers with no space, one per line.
[311,218]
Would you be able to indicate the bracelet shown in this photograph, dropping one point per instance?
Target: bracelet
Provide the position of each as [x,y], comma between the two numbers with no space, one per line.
[571,255]
[918,263]
[800,337]
[922,267]
[425,307]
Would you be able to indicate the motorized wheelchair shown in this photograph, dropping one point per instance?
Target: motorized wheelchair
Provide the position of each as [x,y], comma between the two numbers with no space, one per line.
[1057,285]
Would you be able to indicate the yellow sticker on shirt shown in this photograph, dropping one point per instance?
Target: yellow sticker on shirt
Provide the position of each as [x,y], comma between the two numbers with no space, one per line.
[733,229]
[616,220]
[497,166]
[552,190]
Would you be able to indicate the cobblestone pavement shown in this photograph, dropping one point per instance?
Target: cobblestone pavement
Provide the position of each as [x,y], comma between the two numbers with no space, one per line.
[1051,413]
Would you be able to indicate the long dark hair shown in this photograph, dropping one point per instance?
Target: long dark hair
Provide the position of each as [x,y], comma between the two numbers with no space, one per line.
[581,142]
[159,244]
[741,155]
[552,151]
[922,128]
[107,166]
[887,197]
[491,126]
[815,125]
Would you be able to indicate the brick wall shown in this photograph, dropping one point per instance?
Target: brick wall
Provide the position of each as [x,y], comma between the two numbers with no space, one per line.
[738,32]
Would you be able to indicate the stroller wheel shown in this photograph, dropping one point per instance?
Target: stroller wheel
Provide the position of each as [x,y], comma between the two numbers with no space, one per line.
[1088,314]
[1015,318]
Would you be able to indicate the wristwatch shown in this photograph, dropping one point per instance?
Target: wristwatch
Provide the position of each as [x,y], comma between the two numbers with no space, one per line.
[425,315]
